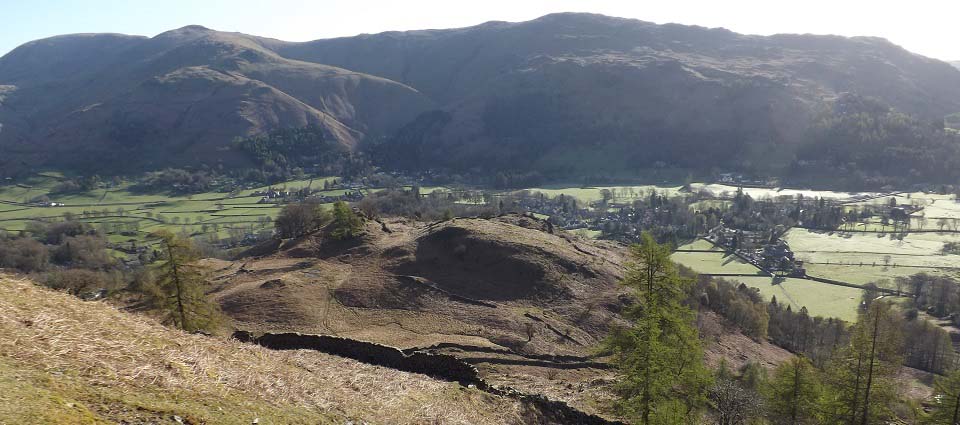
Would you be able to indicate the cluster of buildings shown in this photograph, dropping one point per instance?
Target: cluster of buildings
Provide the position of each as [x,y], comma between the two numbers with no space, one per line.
[755,248]
[741,180]
[271,196]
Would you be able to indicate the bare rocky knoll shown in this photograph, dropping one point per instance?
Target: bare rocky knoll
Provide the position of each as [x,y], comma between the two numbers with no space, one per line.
[525,304]
[484,282]
[506,294]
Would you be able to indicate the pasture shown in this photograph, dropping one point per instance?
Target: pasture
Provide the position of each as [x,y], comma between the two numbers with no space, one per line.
[862,258]
[820,299]
[128,217]
[714,262]
[590,194]
[726,191]
[916,250]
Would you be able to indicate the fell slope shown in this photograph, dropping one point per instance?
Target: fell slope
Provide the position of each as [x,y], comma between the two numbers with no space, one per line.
[564,95]
[580,93]
[66,361]
[179,97]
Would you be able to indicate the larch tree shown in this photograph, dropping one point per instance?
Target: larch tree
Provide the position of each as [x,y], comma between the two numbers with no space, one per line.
[793,393]
[863,377]
[179,286]
[346,223]
[660,361]
[946,396]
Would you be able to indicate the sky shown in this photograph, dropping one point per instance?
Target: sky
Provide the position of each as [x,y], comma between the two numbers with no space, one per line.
[928,27]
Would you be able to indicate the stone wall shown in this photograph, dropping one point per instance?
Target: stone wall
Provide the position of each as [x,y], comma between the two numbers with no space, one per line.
[440,366]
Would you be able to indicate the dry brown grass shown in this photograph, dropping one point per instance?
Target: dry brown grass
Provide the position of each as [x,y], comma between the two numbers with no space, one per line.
[545,286]
[93,361]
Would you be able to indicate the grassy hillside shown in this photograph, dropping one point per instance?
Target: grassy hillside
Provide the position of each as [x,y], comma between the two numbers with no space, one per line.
[66,361]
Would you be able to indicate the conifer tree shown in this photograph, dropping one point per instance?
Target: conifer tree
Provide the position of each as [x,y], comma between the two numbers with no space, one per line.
[663,379]
[863,374]
[794,393]
[179,288]
[346,223]
[946,406]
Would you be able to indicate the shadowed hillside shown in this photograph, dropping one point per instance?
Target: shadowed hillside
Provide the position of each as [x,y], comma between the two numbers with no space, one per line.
[565,95]
[179,98]
[578,93]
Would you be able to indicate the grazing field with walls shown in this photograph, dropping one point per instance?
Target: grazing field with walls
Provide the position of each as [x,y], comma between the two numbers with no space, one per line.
[618,193]
[714,263]
[919,251]
[128,217]
[819,298]
[724,191]
[882,275]
[881,258]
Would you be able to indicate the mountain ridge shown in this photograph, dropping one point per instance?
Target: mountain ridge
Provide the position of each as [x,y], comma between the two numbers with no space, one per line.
[148,90]
[565,94]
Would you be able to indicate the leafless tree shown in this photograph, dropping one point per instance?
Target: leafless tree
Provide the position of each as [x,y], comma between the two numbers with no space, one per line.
[734,404]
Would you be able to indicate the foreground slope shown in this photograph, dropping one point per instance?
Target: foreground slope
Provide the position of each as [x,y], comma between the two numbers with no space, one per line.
[66,361]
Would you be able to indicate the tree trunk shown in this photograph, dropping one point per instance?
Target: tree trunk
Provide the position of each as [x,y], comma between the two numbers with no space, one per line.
[956,410]
[873,349]
[796,391]
[178,284]
[856,391]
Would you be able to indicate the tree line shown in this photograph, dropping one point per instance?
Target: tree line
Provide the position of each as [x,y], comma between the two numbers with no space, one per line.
[872,145]
[842,373]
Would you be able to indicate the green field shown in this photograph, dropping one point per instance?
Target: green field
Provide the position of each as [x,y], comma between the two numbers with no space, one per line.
[595,193]
[916,249]
[701,244]
[862,258]
[723,191]
[117,210]
[713,263]
[862,275]
[853,257]
[821,299]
